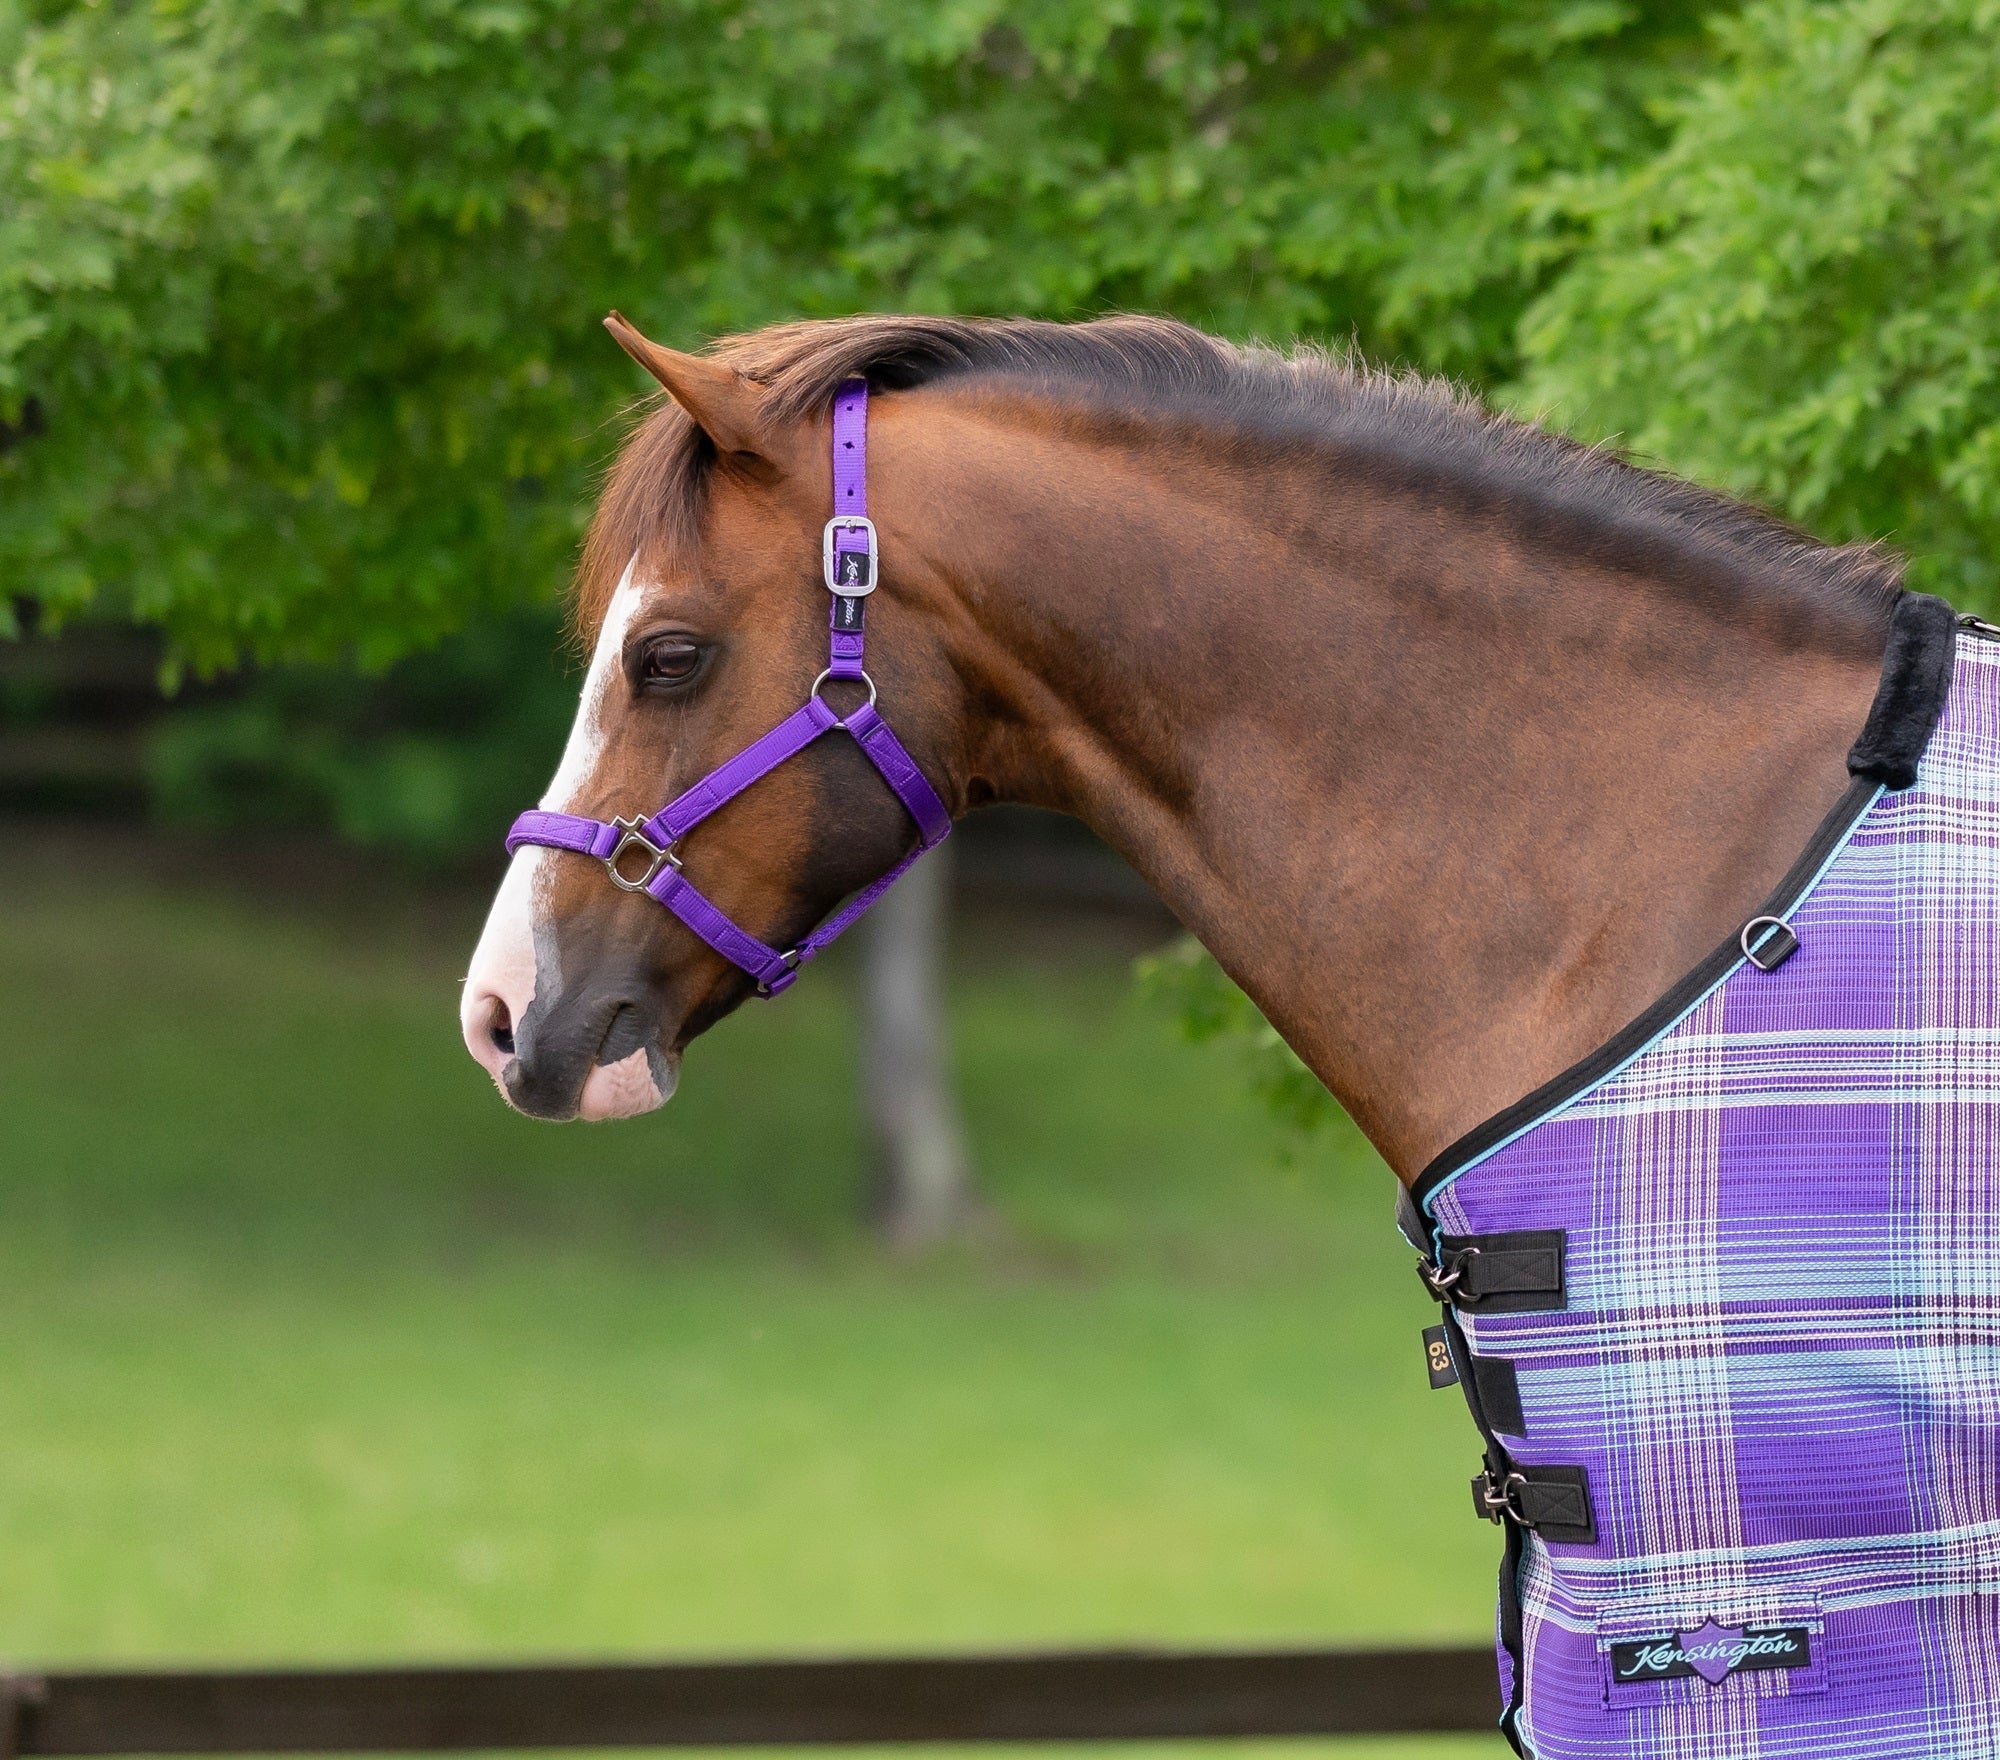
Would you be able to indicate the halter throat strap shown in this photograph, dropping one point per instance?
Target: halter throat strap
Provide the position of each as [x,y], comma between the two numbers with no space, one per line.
[642,855]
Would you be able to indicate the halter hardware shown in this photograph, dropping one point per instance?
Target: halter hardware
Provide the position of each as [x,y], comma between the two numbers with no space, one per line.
[849,556]
[791,959]
[635,838]
[857,677]
[844,578]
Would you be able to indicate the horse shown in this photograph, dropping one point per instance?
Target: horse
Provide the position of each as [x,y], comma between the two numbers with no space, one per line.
[1557,812]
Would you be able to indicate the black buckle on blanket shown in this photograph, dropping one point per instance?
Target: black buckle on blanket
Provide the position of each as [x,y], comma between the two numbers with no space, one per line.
[1553,1502]
[1513,1273]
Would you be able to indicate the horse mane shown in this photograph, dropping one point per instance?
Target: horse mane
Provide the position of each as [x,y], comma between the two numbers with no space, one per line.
[1401,431]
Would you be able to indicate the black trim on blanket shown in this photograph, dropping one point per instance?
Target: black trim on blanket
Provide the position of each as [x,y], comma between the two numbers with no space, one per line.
[1916,675]
[1512,1638]
[1663,1013]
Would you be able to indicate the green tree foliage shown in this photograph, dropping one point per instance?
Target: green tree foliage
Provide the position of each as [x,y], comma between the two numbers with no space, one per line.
[1182,980]
[428,759]
[1798,298]
[303,292]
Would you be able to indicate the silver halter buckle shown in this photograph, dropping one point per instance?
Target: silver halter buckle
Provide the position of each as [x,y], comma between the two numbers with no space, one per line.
[635,838]
[850,574]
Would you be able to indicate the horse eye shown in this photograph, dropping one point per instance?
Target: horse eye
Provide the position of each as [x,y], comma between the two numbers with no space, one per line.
[668,662]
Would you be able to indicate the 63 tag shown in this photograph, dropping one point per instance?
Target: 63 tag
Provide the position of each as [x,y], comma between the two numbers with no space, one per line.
[1437,1358]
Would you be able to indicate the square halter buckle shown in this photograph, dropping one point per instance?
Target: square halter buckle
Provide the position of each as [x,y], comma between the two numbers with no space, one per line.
[635,838]
[850,574]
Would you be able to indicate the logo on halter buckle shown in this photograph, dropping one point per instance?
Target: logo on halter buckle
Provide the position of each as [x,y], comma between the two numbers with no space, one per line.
[635,838]
[850,574]
[1715,1652]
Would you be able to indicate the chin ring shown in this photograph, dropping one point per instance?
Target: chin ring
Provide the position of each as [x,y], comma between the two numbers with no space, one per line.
[635,838]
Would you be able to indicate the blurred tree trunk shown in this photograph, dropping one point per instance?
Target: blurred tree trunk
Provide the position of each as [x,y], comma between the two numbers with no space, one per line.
[920,1188]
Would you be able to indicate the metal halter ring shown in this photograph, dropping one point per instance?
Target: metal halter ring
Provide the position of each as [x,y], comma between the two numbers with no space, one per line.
[828,673]
[635,838]
[1750,950]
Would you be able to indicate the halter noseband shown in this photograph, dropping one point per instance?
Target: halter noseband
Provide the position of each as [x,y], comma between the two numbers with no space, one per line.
[849,559]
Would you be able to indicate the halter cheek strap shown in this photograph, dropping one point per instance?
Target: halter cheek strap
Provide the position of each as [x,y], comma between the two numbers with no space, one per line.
[641,855]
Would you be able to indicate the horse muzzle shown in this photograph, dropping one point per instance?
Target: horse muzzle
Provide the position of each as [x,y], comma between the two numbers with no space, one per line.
[560,1044]
[591,1060]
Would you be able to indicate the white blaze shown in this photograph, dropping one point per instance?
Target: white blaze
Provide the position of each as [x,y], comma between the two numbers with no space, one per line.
[586,737]
[502,974]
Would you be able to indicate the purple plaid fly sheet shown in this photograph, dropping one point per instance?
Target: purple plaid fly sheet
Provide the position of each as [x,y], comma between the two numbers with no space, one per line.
[1726,1302]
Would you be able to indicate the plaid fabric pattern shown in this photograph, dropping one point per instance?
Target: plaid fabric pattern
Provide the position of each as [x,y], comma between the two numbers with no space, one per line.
[1780,1357]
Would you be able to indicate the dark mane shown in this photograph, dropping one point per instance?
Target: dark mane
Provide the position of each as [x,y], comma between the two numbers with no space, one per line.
[1402,431]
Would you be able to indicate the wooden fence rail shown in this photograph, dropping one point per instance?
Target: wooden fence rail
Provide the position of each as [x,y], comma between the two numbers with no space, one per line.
[1092,1696]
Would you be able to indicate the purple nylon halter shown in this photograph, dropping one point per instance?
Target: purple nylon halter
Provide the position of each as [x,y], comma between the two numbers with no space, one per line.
[850,562]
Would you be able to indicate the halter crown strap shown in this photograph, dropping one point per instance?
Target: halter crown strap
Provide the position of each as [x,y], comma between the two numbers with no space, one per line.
[640,854]
[850,558]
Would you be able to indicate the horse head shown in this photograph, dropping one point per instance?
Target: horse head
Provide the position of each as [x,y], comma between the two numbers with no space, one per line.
[702,602]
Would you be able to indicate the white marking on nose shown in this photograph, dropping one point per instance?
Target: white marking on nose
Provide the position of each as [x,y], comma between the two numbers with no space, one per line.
[586,736]
[500,984]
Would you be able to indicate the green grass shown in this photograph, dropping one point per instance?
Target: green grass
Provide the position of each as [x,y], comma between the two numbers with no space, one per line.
[313,1351]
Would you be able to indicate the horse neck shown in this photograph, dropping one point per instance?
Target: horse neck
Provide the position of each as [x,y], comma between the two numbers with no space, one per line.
[1451,806]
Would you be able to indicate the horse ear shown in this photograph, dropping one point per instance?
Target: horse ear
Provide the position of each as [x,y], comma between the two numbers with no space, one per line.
[727,407]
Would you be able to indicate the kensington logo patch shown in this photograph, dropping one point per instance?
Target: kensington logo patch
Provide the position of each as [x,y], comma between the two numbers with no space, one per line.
[1714,1652]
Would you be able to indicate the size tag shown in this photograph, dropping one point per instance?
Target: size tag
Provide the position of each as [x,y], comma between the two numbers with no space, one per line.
[1437,1357]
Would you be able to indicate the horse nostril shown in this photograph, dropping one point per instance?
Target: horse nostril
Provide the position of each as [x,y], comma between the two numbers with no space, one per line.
[501,1032]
